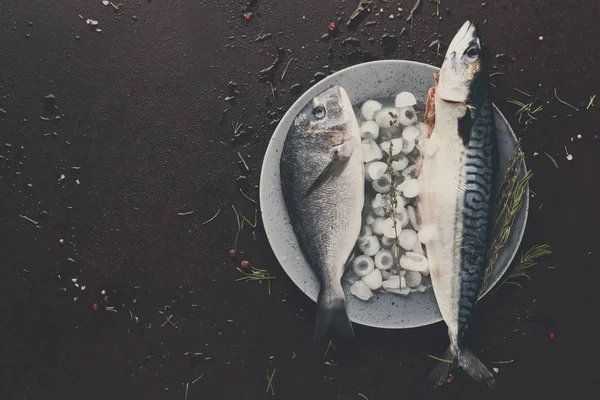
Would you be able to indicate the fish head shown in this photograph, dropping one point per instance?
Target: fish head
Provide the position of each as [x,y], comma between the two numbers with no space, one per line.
[463,71]
[329,114]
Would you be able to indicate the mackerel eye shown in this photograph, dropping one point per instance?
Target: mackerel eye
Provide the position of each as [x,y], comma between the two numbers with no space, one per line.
[473,52]
[319,112]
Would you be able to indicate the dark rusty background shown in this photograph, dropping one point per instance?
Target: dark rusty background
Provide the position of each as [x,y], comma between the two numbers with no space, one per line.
[139,106]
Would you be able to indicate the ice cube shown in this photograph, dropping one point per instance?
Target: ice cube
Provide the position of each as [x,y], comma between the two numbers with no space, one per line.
[389,230]
[369,246]
[363,265]
[371,151]
[373,280]
[407,239]
[376,170]
[413,262]
[369,108]
[407,115]
[384,259]
[383,184]
[408,146]
[365,232]
[387,117]
[411,188]
[413,278]
[423,130]
[377,226]
[412,217]
[405,99]
[397,146]
[410,133]
[369,130]
[361,290]
[401,163]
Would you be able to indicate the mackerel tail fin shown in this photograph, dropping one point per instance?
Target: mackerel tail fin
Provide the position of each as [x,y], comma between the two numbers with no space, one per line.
[332,317]
[440,373]
[467,361]
[475,368]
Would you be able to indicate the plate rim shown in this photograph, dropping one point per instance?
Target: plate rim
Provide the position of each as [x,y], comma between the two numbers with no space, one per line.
[308,94]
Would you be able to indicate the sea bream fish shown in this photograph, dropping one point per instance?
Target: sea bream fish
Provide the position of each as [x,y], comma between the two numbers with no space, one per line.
[322,177]
[457,177]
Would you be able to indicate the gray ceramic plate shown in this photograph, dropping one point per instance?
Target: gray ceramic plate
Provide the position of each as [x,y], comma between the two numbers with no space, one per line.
[370,80]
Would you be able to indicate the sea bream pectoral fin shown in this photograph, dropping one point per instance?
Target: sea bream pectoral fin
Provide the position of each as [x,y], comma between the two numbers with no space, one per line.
[339,161]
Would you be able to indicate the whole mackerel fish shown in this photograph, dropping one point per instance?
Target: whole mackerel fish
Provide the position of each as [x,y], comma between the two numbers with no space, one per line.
[322,177]
[457,177]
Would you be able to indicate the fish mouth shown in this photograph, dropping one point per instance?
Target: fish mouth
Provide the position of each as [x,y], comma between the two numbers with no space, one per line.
[452,101]
[462,39]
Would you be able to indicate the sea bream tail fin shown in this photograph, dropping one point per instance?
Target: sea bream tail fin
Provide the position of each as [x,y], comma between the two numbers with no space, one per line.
[475,368]
[332,318]
[440,373]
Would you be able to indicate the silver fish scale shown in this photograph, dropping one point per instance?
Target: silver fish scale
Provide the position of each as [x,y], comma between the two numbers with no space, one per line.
[326,226]
[477,207]
[326,222]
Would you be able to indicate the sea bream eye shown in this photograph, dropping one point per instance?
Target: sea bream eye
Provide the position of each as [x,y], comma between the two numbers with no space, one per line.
[319,112]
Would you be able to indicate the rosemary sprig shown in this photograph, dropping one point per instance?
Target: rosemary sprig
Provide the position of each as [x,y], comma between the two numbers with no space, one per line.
[526,261]
[212,218]
[329,346]
[256,274]
[525,110]
[247,197]
[236,125]
[551,159]
[393,204]
[437,6]
[286,68]
[440,359]
[591,103]
[270,376]
[240,225]
[564,102]
[243,162]
[26,218]
[509,201]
